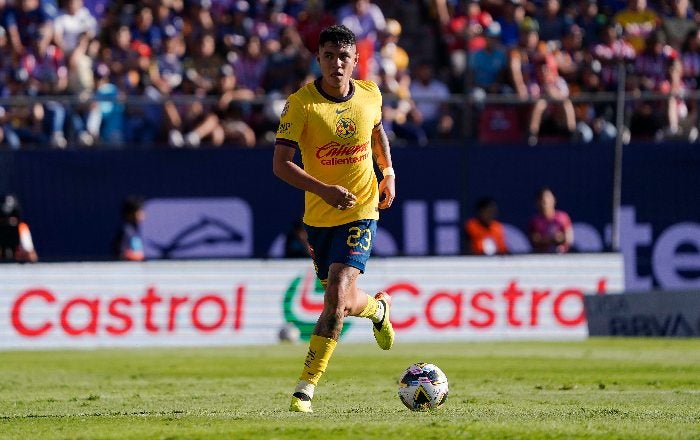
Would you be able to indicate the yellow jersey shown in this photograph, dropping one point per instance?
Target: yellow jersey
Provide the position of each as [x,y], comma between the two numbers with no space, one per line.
[334,136]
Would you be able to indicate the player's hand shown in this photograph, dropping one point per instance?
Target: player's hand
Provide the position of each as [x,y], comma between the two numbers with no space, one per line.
[339,197]
[387,192]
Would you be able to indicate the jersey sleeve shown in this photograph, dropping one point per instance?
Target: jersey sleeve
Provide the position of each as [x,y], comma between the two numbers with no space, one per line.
[292,121]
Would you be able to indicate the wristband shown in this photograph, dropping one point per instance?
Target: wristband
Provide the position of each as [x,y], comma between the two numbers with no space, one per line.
[388,171]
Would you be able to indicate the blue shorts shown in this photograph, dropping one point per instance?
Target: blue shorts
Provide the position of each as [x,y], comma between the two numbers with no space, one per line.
[348,244]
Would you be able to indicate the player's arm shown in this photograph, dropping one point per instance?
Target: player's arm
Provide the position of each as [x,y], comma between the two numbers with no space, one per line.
[284,167]
[382,156]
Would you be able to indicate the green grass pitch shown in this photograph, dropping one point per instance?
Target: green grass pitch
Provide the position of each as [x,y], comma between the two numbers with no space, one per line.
[599,388]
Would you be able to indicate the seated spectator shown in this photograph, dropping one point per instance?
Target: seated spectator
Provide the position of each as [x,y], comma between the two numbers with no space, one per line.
[465,34]
[611,51]
[595,120]
[145,30]
[550,230]
[234,109]
[590,19]
[552,21]
[289,65]
[47,75]
[202,63]
[366,20]
[638,23]
[311,21]
[485,235]
[678,23]
[29,27]
[85,116]
[535,76]
[74,20]
[251,65]
[489,65]
[431,96]
[571,55]
[401,118]
[16,243]
[657,69]
[510,21]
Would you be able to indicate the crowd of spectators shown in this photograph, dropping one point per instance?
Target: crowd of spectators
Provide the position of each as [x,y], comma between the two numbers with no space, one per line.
[190,73]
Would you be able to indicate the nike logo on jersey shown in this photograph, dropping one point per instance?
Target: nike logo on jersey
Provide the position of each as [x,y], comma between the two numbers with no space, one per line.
[339,111]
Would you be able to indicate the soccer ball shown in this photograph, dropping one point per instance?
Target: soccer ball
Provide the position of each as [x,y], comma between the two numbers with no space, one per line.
[289,333]
[422,387]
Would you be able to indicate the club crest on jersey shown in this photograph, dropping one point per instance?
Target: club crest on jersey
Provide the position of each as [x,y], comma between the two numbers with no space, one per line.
[345,128]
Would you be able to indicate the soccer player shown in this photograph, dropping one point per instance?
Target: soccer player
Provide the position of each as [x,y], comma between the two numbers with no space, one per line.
[335,123]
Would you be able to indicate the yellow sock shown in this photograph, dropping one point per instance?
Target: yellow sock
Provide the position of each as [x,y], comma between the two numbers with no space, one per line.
[374,310]
[370,309]
[320,351]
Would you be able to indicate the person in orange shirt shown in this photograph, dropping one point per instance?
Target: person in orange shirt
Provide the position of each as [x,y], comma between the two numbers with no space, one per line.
[485,234]
[16,243]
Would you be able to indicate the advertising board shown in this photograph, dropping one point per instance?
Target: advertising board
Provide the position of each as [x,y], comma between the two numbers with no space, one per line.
[242,302]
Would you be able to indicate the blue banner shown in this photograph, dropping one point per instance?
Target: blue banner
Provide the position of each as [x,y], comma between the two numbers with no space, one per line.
[214,203]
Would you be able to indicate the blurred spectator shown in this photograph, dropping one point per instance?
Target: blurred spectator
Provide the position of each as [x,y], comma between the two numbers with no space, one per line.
[108,96]
[366,20]
[571,55]
[144,30]
[390,55]
[128,243]
[202,63]
[610,52]
[269,25]
[690,59]
[250,67]
[289,65]
[553,23]
[657,69]
[401,118]
[589,18]
[296,244]
[550,230]
[513,15]
[464,33]
[144,117]
[235,27]
[29,27]
[489,65]
[485,235]
[47,75]
[73,21]
[431,96]
[679,22]
[535,76]
[167,16]
[638,23]
[311,21]
[85,116]
[595,120]
[234,107]
[16,243]
[189,122]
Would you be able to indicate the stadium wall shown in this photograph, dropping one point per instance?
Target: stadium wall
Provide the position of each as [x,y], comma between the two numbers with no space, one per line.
[242,302]
[226,202]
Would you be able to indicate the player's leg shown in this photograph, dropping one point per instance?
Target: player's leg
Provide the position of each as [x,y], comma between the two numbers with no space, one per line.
[360,238]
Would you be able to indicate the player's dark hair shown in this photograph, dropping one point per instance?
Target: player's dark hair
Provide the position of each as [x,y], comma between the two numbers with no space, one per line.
[338,35]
